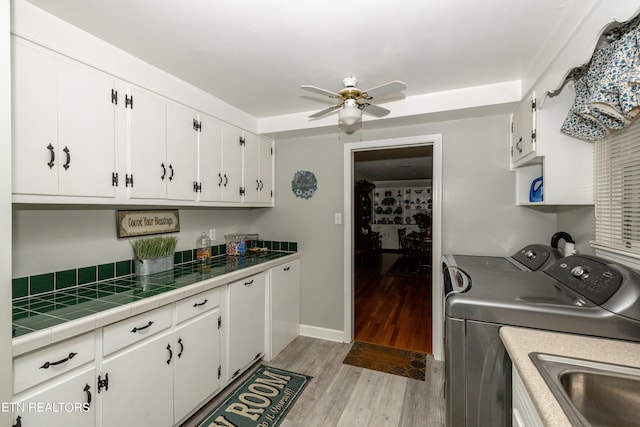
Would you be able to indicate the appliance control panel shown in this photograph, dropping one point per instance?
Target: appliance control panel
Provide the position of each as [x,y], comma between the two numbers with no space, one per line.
[532,256]
[594,280]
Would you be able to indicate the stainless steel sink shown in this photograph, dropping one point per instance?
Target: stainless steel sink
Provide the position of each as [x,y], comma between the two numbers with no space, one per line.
[592,393]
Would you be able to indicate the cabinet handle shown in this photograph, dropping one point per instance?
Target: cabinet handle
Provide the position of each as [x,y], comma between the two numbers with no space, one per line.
[220,182]
[250,282]
[171,168]
[170,354]
[18,422]
[519,146]
[136,329]
[66,359]
[164,171]
[52,157]
[257,185]
[287,268]
[226,180]
[68,163]
[181,347]
[198,304]
[86,390]
[261,185]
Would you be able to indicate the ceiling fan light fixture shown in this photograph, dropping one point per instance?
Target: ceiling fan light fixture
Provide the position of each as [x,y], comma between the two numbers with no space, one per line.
[350,114]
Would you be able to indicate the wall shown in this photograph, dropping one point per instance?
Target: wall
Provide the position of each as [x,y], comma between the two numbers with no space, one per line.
[479,211]
[5,212]
[312,221]
[580,222]
[47,239]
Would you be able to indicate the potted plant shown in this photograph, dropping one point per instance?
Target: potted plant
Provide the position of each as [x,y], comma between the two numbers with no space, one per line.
[154,254]
[423,220]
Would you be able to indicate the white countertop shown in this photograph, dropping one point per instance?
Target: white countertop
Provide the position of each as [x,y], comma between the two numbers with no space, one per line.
[519,342]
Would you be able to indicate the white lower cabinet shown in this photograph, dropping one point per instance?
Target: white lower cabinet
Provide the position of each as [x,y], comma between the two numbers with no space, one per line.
[67,402]
[197,363]
[163,377]
[157,368]
[284,306]
[524,411]
[246,322]
[139,391]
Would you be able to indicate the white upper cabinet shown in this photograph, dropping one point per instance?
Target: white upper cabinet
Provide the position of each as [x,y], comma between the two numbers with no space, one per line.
[210,177]
[146,144]
[564,163]
[523,129]
[81,135]
[63,125]
[258,169]
[181,152]
[161,144]
[232,143]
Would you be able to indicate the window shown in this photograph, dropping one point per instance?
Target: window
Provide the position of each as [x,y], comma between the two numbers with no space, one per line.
[617,175]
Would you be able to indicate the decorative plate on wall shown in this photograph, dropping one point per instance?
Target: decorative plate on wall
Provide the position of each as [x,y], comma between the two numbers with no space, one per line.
[304,184]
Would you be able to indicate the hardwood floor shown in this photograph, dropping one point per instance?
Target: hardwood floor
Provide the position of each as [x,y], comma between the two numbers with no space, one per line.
[342,395]
[391,310]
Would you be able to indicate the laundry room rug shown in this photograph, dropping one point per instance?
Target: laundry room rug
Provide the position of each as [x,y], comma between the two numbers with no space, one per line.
[262,400]
[405,363]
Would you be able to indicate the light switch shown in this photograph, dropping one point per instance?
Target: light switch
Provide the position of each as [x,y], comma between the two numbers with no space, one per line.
[338,218]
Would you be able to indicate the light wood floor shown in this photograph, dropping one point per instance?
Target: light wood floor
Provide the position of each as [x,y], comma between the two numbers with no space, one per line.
[392,311]
[347,396]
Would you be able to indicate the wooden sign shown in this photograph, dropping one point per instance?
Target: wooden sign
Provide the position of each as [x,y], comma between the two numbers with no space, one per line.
[147,222]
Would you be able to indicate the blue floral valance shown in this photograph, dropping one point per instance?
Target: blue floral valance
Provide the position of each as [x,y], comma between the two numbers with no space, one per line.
[608,95]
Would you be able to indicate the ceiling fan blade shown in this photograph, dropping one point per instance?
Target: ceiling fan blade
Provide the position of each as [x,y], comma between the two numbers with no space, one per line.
[374,110]
[325,111]
[385,89]
[320,91]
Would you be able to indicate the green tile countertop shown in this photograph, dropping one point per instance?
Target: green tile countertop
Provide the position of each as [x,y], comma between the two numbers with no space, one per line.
[50,317]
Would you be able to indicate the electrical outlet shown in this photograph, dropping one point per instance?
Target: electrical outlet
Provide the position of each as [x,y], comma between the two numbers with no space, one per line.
[338,218]
[212,234]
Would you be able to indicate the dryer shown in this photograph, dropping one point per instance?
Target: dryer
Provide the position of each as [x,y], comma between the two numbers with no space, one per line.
[576,294]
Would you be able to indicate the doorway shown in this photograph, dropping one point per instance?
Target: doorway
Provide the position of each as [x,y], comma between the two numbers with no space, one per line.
[388,290]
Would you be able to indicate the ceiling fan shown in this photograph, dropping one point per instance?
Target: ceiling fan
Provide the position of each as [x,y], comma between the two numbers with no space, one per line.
[354,101]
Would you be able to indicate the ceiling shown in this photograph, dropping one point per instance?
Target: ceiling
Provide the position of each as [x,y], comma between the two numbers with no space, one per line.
[396,164]
[254,55]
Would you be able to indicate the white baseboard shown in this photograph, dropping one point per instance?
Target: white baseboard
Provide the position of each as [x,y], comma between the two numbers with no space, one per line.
[322,333]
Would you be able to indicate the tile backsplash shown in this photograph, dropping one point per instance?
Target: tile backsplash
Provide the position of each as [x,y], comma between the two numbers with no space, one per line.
[48,282]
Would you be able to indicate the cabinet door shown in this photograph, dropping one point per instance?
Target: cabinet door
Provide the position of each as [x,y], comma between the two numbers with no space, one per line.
[522,129]
[284,305]
[251,168]
[197,352]
[147,140]
[86,131]
[210,159]
[231,163]
[266,170]
[140,385]
[35,126]
[246,322]
[66,403]
[181,152]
